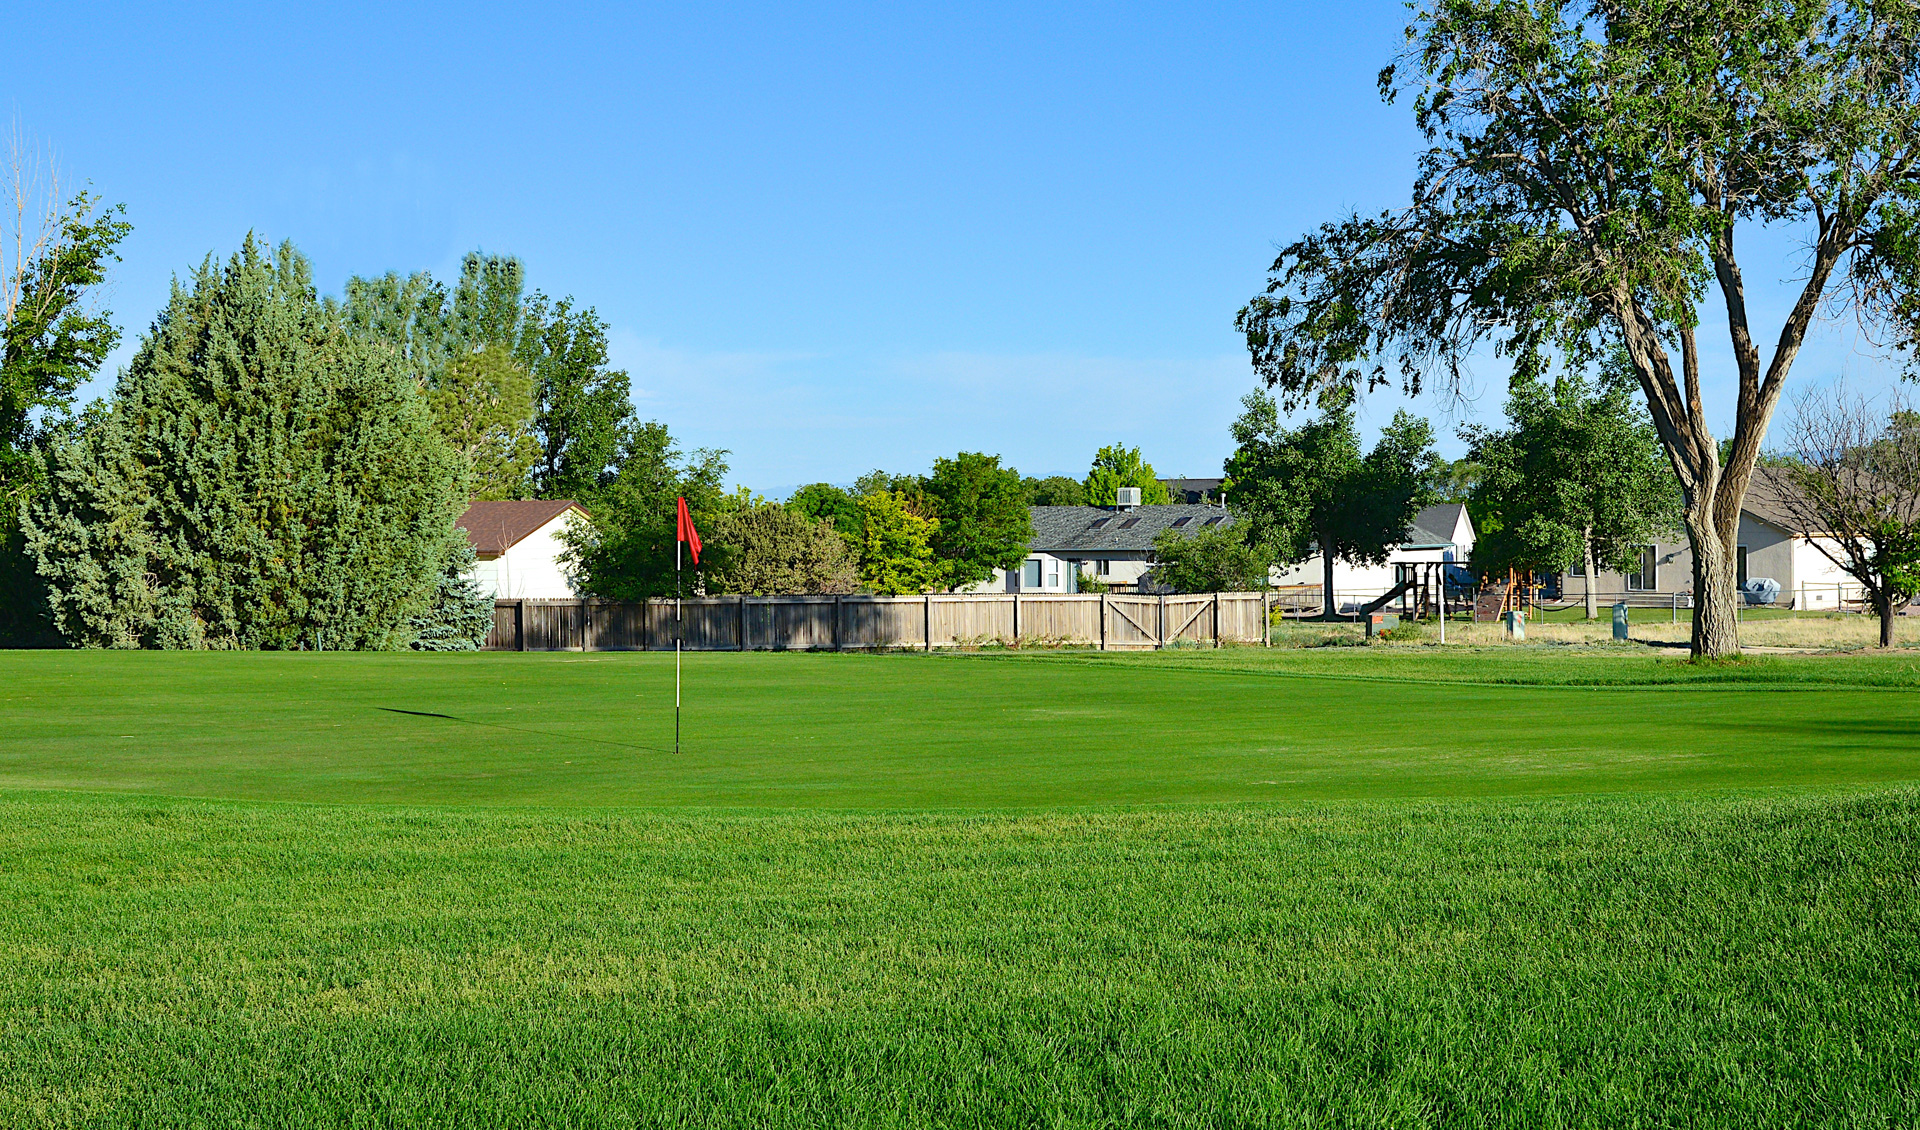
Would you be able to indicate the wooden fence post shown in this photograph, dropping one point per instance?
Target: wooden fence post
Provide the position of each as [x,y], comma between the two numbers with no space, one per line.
[743,623]
[1016,618]
[1216,619]
[1266,620]
[837,645]
[1160,624]
[1103,621]
[519,625]
[926,614]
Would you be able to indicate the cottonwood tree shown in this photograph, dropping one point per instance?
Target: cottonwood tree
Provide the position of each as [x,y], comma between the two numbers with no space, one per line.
[1852,487]
[54,254]
[483,402]
[1576,479]
[1589,167]
[1309,490]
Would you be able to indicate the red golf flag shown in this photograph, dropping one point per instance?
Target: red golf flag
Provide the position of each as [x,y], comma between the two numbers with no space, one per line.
[687,533]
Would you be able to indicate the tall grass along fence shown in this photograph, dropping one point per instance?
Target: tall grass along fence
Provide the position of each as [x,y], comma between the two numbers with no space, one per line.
[845,623]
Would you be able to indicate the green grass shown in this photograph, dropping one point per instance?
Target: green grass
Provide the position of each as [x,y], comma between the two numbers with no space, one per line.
[1348,887]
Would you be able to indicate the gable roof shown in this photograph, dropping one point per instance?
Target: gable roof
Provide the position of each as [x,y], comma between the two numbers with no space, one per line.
[495,527]
[1060,529]
[1766,500]
[1435,526]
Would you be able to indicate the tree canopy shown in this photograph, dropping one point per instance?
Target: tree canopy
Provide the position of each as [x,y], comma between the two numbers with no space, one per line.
[1117,466]
[1309,491]
[1216,559]
[50,341]
[981,508]
[1588,168]
[261,479]
[898,556]
[627,551]
[1577,480]
[771,550]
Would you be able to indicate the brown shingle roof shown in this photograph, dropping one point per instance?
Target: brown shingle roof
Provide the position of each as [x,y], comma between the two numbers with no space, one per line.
[494,526]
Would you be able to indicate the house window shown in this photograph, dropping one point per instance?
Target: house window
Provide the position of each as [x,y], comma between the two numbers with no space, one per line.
[1740,566]
[1130,523]
[1030,573]
[1182,521]
[1647,577]
[1580,567]
[1053,574]
[1211,522]
[1099,522]
[1105,567]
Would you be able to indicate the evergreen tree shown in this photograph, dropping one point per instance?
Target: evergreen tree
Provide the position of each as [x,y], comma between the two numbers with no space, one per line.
[1120,466]
[460,615]
[262,479]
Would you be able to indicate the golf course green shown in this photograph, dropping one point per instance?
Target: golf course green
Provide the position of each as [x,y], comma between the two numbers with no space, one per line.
[1574,886]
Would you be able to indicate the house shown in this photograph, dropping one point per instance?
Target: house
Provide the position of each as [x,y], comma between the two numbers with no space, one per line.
[519,544]
[1439,534]
[1193,491]
[1110,543]
[1771,544]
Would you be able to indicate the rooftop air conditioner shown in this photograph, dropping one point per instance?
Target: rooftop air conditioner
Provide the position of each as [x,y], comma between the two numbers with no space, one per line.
[1127,498]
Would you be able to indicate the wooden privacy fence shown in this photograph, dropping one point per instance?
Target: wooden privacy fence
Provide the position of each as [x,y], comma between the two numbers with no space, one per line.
[842,623]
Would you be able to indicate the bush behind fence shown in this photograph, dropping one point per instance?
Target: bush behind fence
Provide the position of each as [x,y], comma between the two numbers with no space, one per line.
[846,623]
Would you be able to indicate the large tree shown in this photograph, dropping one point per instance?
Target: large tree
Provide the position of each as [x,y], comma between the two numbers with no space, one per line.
[483,402]
[1576,480]
[1213,559]
[898,556]
[982,510]
[1590,164]
[1309,491]
[260,479]
[1116,466]
[583,412]
[1851,485]
[53,259]
[627,551]
[770,550]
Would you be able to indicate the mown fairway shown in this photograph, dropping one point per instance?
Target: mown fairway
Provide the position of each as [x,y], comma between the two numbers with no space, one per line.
[1344,887]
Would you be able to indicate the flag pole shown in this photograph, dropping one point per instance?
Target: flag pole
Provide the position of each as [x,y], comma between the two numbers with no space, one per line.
[677,631]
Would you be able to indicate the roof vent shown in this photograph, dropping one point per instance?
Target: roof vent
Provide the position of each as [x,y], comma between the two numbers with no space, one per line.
[1126,498]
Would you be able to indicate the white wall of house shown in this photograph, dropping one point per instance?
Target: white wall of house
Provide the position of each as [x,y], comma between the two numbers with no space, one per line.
[1807,578]
[530,569]
[1053,572]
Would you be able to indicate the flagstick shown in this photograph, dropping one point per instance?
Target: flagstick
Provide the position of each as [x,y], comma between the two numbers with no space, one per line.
[677,630]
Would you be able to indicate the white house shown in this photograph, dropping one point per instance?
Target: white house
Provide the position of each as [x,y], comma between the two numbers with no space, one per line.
[518,544]
[1770,544]
[1439,534]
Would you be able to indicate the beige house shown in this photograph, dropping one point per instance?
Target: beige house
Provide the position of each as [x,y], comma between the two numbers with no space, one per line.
[1768,546]
[519,544]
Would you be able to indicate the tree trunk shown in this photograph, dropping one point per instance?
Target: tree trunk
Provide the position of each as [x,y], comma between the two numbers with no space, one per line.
[1716,619]
[1586,547]
[1330,610]
[1883,608]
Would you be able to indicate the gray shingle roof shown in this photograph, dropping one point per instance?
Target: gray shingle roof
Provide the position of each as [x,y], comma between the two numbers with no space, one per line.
[1061,529]
[1434,525]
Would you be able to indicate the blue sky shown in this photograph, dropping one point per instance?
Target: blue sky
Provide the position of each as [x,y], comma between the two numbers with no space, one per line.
[827,239]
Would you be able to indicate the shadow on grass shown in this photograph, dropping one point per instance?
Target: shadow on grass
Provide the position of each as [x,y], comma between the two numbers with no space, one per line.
[521,729]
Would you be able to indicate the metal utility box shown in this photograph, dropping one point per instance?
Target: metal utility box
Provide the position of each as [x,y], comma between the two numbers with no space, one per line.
[1516,622]
[1620,620]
